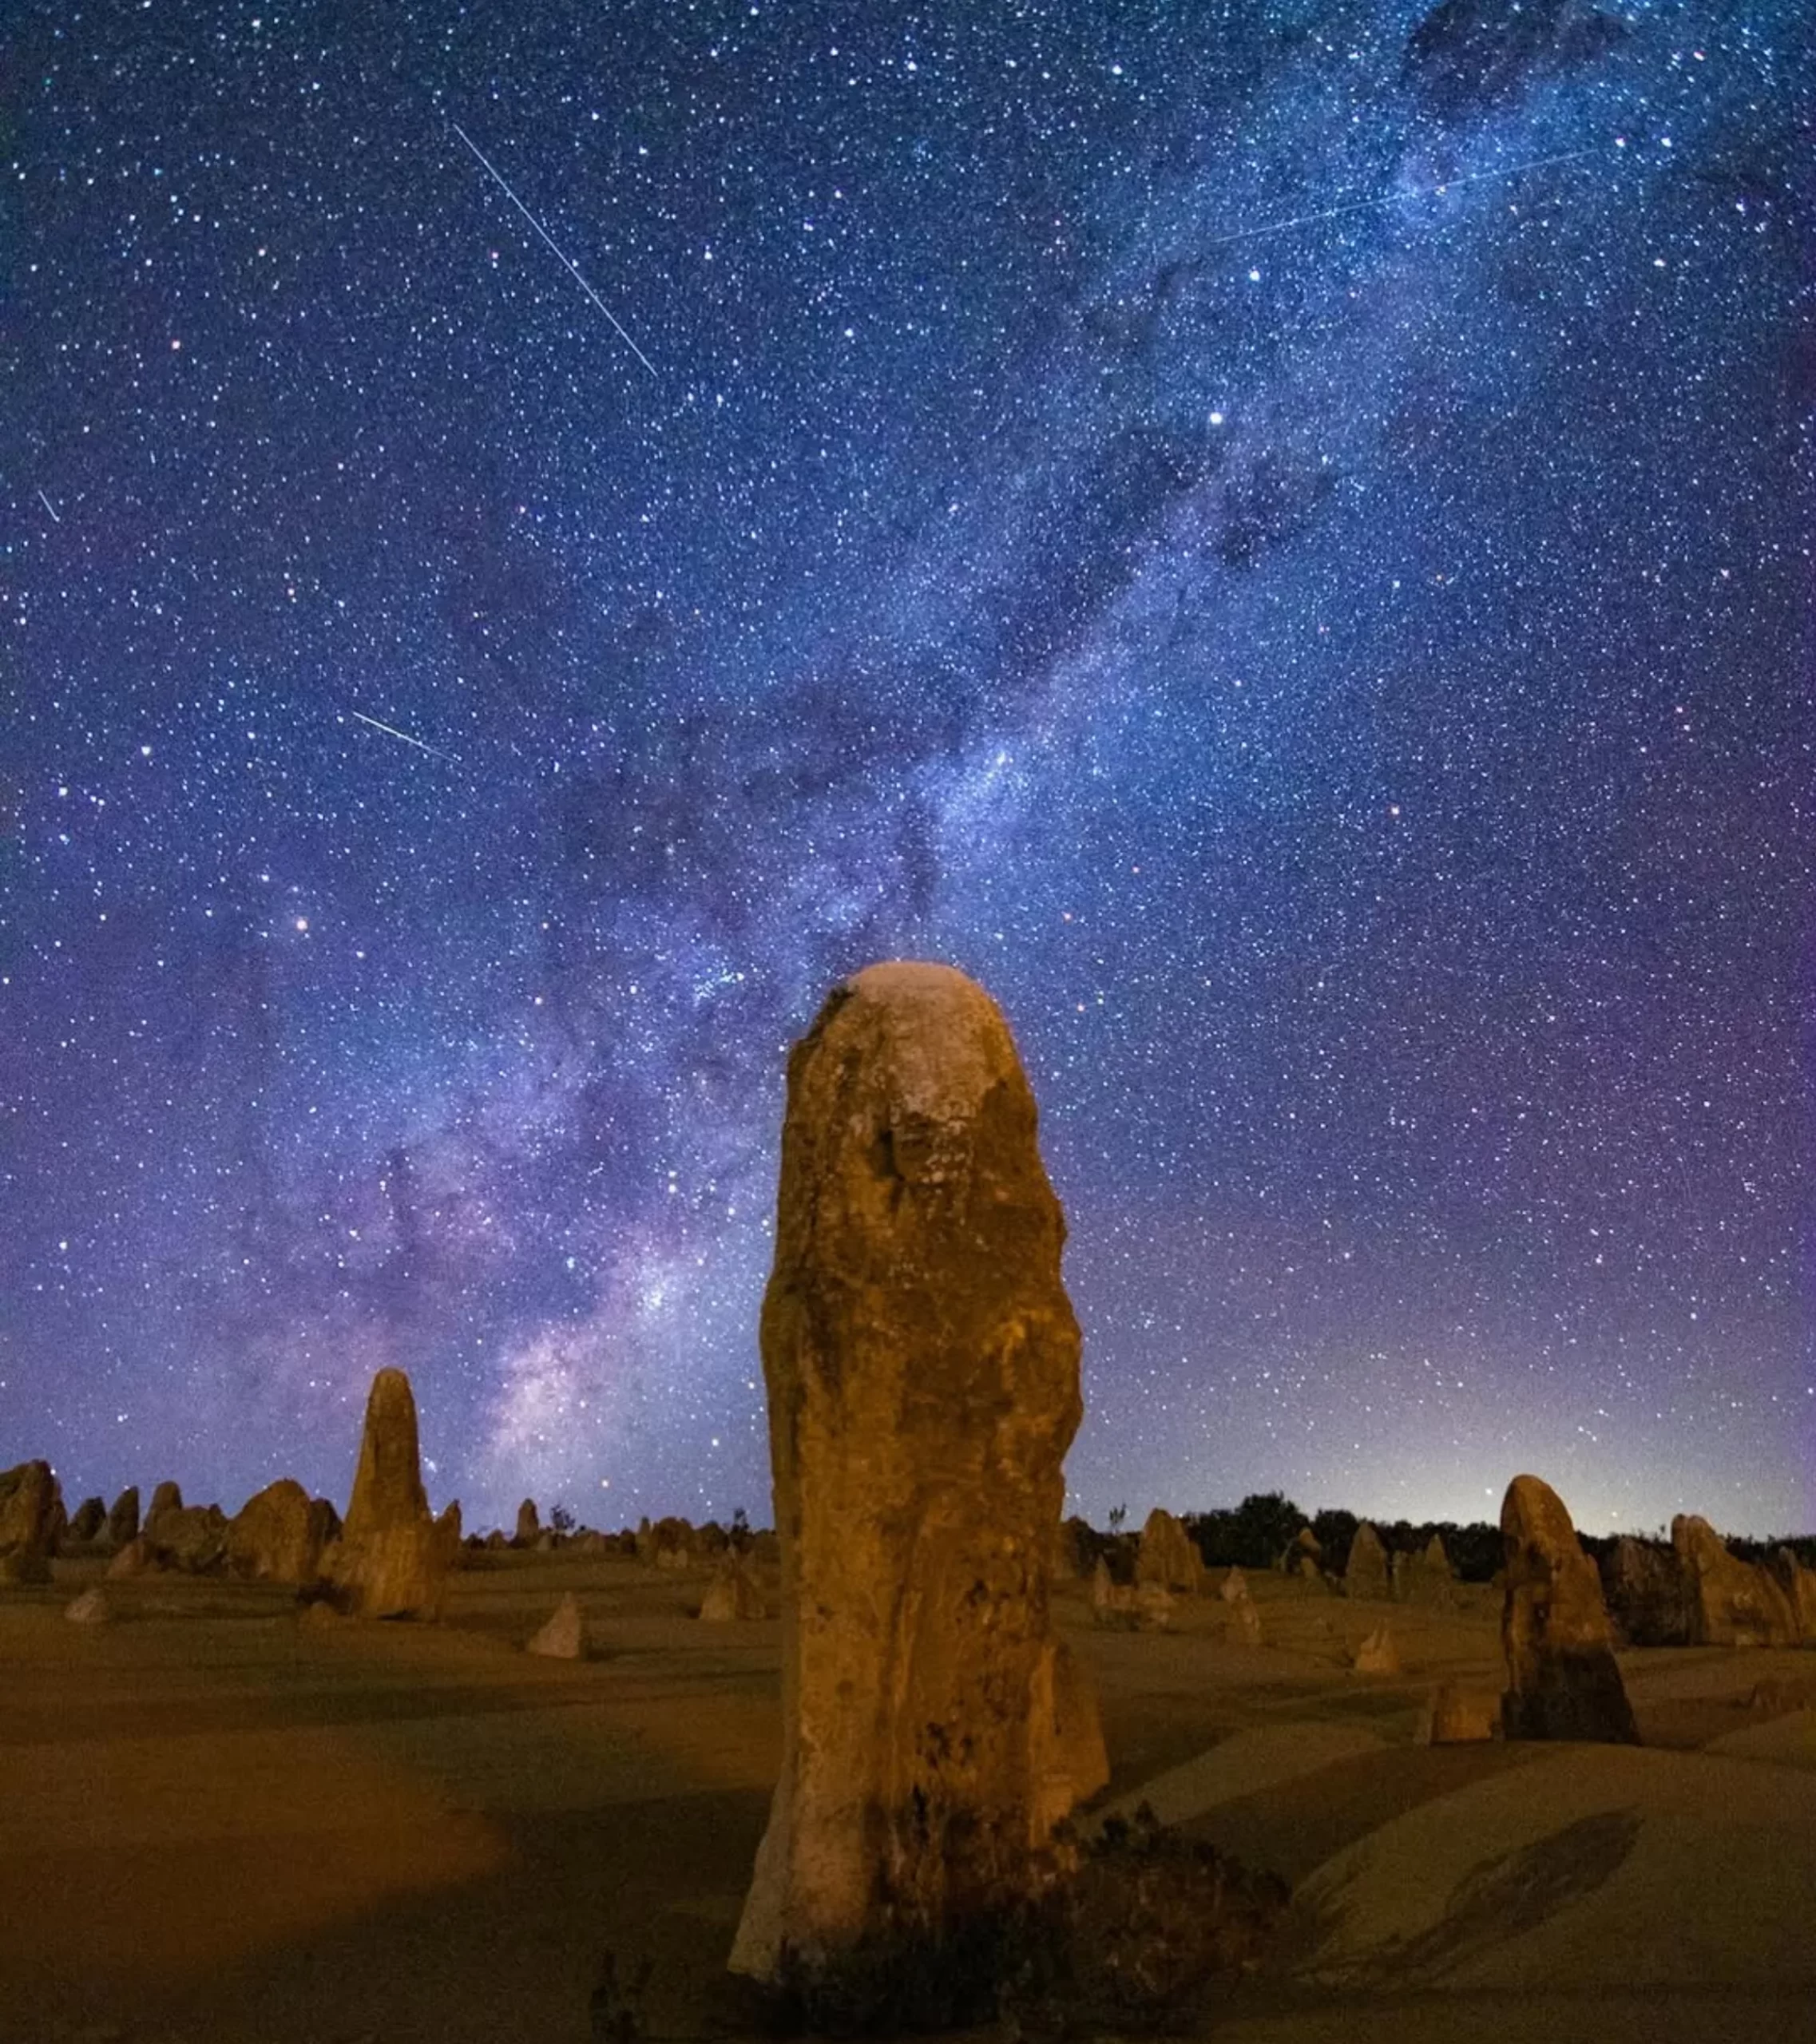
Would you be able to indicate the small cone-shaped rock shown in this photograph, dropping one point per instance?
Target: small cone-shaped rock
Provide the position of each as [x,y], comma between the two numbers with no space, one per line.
[1731,1602]
[733,1595]
[90,1609]
[28,1498]
[90,1521]
[1366,1575]
[123,1520]
[529,1524]
[921,1363]
[134,1558]
[1246,1614]
[388,1563]
[1378,1655]
[1168,1555]
[564,1637]
[274,1537]
[1234,1587]
[1563,1683]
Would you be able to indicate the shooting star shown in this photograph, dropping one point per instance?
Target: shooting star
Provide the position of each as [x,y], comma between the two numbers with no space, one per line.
[49,507]
[618,325]
[1388,198]
[392,731]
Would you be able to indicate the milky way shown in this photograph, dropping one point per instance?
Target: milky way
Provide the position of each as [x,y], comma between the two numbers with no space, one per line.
[1278,539]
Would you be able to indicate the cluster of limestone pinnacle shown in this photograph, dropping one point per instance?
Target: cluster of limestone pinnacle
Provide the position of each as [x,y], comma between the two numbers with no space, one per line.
[920,1361]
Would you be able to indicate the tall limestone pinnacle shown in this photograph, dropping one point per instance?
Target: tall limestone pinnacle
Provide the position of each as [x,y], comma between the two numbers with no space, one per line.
[921,1359]
[389,1562]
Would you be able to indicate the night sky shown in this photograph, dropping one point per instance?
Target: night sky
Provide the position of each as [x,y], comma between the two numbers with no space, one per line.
[534,538]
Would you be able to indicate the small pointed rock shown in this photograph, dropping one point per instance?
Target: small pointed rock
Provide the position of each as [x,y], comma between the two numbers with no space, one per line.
[733,1594]
[564,1637]
[90,1609]
[1378,1655]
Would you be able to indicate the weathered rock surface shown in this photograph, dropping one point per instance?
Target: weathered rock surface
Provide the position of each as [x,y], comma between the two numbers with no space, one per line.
[89,1522]
[1234,1587]
[1563,1683]
[1073,1550]
[1366,1575]
[448,1533]
[1245,1618]
[134,1558]
[1303,1547]
[189,1537]
[1799,1583]
[564,1637]
[90,1609]
[274,1537]
[669,1543]
[167,1496]
[389,1562]
[1643,1585]
[921,1363]
[1378,1655]
[28,1498]
[1731,1602]
[123,1520]
[529,1524]
[1426,1576]
[733,1595]
[1460,1716]
[1169,1556]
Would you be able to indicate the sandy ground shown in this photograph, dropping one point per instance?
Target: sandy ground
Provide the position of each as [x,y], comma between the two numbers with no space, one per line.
[221,1825]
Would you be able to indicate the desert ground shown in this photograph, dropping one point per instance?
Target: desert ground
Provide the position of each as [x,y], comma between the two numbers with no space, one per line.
[225,1822]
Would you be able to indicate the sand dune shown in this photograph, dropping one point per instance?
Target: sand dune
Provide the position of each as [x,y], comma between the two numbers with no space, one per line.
[226,1824]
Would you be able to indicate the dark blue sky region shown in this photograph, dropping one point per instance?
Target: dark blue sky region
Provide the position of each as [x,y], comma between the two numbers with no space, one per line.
[1279,538]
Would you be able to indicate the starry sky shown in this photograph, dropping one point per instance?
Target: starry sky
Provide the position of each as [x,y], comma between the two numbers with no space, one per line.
[534,538]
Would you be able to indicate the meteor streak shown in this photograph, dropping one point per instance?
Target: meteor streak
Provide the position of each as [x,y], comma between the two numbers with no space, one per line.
[566,262]
[1387,198]
[393,730]
[49,507]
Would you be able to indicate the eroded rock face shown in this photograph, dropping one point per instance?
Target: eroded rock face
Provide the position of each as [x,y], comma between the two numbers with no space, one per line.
[390,1561]
[167,1496]
[28,1502]
[448,1532]
[1378,1655]
[1459,1715]
[189,1537]
[1644,1586]
[1366,1574]
[1799,1583]
[1168,1555]
[563,1637]
[274,1537]
[921,1363]
[733,1596]
[123,1520]
[1426,1576]
[529,1524]
[89,1522]
[1563,1680]
[1730,1603]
